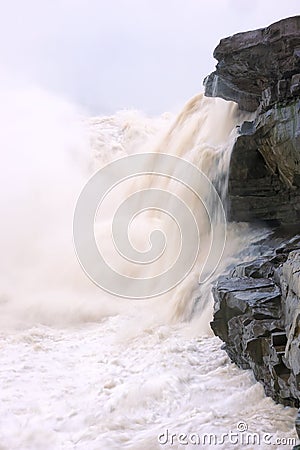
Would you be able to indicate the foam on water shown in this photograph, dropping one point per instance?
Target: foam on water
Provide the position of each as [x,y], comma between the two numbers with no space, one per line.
[95,387]
[82,369]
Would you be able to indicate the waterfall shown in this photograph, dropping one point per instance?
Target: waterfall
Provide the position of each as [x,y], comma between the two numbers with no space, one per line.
[201,135]
[80,367]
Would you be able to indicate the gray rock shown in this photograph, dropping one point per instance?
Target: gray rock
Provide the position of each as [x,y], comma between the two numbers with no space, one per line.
[290,281]
[264,176]
[298,424]
[260,70]
[257,306]
[257,315]
[257,64]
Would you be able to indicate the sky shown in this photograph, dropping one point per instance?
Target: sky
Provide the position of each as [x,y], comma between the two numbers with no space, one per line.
[106,55]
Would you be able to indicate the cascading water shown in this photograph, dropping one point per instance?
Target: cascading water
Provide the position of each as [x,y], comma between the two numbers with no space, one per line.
[81,369]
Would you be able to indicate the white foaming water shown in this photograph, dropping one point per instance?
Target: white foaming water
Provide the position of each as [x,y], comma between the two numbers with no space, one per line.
[80,369]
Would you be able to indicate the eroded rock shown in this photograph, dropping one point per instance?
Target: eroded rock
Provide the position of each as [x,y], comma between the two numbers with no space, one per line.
[264,176]
[260,70]
[257,307]
[258,65]
[257,315]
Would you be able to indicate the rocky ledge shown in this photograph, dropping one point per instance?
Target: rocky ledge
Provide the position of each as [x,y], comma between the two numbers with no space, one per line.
[257,306]
[258,67]
[260,70]
[257,315]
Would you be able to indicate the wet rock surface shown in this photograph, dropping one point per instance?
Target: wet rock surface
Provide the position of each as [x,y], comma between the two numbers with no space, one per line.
[258,67]
[257,315]
[257,306]
[264,177]
[260,70]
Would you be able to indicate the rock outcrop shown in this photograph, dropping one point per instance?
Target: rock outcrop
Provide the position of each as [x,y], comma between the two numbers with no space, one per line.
[257,306]
[260,70]
[264,178]
[258,67]
[257,315]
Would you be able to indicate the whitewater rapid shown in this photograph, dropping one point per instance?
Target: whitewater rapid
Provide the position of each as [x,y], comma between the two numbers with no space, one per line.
[96,387]
[80,369]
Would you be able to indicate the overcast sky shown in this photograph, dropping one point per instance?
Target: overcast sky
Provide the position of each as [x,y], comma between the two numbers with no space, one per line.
[106,55]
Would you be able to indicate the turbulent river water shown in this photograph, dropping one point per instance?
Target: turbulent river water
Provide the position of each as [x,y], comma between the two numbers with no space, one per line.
[82,369]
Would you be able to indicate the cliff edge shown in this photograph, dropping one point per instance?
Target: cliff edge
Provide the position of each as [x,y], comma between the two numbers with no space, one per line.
[260,70]
[257,306]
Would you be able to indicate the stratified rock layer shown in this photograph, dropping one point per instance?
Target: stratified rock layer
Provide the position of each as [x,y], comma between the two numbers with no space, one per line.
[257,307]
[260,70]
[257,315]
[264,177]
[258,66]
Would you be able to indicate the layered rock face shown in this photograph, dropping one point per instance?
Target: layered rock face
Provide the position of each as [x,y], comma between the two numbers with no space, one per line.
[258,67]
[257,315]
[257,306]
[260,70]
[264,180]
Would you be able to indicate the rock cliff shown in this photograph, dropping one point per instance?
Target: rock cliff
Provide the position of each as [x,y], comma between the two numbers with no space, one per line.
[259,67]
[260,70]
[257,306]
[257,315]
